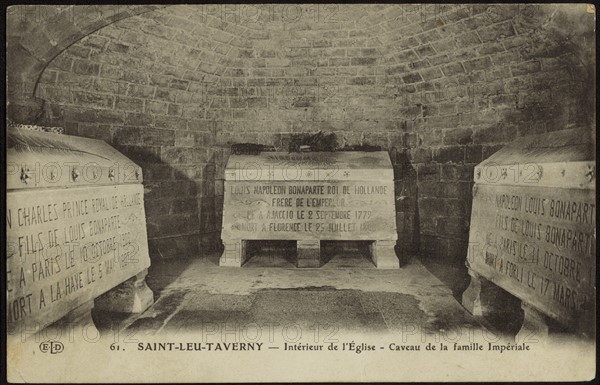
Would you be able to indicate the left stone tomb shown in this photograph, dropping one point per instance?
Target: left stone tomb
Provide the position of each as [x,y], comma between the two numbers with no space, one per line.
[75,232]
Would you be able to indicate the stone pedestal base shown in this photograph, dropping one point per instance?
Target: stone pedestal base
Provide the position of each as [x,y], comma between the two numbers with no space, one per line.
[537,327]
[234,254]
[471,298]
[132,296]
[481,296]
[309,254]
[383,255]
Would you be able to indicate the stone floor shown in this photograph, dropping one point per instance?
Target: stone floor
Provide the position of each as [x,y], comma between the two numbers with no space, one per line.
[346,296]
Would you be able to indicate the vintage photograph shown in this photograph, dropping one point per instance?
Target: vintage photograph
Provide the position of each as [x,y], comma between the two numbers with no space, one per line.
[300,192]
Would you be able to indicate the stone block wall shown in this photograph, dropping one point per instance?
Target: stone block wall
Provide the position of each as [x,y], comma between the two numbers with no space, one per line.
[440,87]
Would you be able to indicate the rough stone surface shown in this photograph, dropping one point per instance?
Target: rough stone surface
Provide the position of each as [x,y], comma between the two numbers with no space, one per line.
[439,87]
[193,295]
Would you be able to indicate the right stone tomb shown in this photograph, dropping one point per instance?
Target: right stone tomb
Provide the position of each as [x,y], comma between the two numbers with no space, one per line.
[533,231]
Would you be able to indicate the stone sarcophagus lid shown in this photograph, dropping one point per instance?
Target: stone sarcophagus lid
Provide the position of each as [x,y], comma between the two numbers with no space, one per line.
[309,197]
[75,229]
[533,231]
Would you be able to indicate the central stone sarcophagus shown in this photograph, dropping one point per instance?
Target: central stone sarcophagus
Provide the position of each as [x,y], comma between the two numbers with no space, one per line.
[310,197]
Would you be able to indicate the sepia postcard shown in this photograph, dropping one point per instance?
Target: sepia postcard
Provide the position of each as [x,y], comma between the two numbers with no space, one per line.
[338,192]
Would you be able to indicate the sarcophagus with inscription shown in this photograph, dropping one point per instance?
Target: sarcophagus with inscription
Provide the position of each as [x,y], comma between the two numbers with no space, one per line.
[309,197]
[533,230]
[75,227]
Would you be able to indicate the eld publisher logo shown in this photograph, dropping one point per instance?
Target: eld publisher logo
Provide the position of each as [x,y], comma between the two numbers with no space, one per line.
[52,347]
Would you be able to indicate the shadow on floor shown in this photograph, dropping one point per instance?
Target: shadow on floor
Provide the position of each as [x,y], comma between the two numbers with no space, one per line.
[347,289]
[164,272]
[195,294]
[454,275]
[506,317]
[161,274]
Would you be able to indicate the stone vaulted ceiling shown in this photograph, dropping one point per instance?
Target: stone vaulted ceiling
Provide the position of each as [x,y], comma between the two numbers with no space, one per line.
[192,44]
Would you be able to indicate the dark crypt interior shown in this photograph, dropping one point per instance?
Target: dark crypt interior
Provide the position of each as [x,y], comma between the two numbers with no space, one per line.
[174,88]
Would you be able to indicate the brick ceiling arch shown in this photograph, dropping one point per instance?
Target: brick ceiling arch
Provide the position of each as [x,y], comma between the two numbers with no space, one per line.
[189,46]
[37,34]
